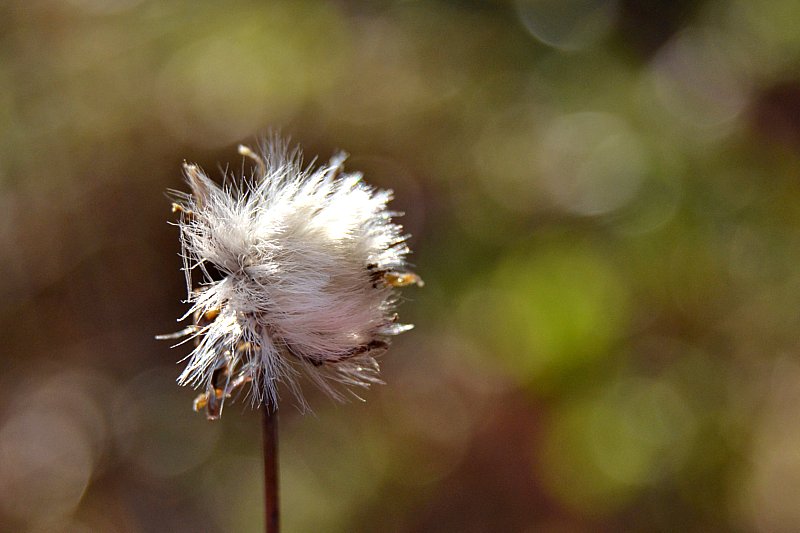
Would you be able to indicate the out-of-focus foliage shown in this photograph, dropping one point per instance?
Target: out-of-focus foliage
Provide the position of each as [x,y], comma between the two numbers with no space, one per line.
[604,198]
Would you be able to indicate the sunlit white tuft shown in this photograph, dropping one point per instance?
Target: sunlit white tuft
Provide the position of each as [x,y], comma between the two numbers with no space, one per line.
[292,270]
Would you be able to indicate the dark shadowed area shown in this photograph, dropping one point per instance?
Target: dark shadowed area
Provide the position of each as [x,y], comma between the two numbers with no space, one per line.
[604,198]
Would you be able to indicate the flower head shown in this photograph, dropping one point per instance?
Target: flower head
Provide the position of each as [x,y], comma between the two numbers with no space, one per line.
[292,270]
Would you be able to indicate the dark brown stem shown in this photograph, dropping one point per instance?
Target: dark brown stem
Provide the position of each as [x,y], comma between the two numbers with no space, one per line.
[270,435]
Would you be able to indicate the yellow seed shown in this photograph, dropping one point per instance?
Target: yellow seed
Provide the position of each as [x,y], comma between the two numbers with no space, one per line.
[402,279]
[200,402]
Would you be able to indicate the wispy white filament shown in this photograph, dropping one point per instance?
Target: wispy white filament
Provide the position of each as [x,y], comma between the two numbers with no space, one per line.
[290,271]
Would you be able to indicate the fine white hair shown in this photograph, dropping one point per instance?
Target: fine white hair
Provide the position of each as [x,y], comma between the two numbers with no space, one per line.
[291,270]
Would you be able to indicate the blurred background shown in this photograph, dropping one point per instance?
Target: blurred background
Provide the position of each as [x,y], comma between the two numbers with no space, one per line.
[604,198]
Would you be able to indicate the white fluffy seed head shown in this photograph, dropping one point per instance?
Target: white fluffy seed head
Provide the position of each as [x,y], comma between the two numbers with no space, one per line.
[290,271]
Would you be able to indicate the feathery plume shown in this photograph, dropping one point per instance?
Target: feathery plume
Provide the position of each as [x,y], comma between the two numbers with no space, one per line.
[293,270]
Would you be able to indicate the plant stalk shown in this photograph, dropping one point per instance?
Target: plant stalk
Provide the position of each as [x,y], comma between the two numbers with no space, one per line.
[270,441]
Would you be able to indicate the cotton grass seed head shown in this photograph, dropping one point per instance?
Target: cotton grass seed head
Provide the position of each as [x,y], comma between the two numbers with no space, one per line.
[291,270]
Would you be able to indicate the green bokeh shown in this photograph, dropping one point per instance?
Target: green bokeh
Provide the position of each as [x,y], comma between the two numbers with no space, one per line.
[549,314]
